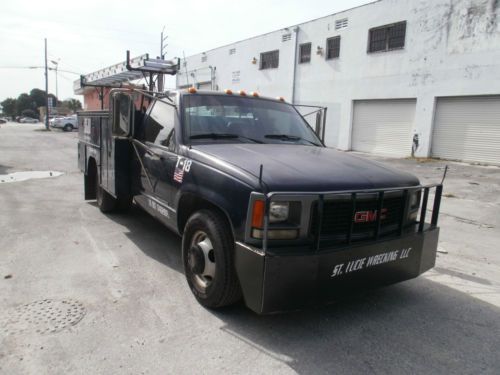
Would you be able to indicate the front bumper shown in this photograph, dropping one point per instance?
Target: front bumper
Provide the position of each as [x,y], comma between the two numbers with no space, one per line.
[273,283]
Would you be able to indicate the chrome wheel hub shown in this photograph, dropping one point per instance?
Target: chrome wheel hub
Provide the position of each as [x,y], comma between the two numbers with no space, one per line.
[201,261]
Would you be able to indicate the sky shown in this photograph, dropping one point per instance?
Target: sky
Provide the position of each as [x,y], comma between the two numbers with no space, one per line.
[84,36]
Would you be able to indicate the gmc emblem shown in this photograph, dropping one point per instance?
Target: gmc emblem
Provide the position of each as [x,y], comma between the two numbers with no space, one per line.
[369,216]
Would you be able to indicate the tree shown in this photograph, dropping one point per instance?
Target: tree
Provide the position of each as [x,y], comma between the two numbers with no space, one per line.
[29,113]
[9,107]
[72,104]
[25,101]
[38,96]
[32,101]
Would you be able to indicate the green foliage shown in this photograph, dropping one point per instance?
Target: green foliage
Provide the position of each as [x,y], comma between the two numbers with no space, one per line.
[25,101]
[29,113]
[9,107]
[72,104]
[38,96]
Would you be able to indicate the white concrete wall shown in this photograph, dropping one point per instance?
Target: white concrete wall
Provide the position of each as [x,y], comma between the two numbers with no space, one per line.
[452,48]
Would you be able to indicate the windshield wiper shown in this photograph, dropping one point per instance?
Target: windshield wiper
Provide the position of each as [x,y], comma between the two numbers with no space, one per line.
[286,137]
[222,136]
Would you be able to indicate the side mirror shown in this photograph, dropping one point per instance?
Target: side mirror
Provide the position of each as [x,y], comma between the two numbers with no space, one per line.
[319,122]
[123,111]
[315,116]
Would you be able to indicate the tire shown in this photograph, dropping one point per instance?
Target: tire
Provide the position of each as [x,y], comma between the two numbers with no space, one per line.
[208,258]
[105,201]
[68,128]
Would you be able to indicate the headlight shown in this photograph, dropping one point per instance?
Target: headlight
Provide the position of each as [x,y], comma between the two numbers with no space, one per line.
[413,206]
[414,200]
[278,211]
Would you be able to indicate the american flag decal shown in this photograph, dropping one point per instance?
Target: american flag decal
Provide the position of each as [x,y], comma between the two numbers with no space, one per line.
[183,166]
[178,175]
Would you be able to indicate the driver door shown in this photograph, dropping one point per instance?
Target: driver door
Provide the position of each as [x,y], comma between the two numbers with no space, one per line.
[160,158]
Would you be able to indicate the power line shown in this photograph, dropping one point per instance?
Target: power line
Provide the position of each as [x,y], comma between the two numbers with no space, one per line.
[39,67]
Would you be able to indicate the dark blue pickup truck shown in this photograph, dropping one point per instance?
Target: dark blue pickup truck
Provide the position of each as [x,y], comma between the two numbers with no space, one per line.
[266,212]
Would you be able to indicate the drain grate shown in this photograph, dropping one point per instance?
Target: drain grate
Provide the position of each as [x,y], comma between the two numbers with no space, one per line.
[44,316]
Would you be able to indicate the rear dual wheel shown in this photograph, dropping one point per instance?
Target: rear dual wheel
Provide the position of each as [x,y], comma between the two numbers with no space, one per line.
[208,257]
[108,203]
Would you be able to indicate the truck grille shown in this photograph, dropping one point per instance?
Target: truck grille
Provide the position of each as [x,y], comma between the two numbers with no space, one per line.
[343,222]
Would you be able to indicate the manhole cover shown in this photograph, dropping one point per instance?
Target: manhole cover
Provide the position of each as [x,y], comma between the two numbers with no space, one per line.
[45,316]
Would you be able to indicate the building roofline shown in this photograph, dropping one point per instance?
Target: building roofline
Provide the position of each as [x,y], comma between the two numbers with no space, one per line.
[283,28]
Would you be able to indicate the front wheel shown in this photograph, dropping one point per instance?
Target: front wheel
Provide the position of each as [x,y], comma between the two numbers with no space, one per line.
[208,257]
[68,128]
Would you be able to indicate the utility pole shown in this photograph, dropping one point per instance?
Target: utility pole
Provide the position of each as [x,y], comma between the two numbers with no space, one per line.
[46,89]
[162,56]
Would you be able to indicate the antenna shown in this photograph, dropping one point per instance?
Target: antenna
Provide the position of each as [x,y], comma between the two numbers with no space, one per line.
[261,183]
[444,174]
[185,67]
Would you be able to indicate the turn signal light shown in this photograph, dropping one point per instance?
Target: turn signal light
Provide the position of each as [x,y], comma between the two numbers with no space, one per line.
[258,214]
[192,90]
[229,92]
[280,98]
[254,94]
[242,93]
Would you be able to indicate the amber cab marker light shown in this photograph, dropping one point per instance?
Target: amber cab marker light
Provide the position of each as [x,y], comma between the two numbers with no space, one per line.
[242,93]
[254,94]
[280,98]
[258,214]
[228,92]
[192,90]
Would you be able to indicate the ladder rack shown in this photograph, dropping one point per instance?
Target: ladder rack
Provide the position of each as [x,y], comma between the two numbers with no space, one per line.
[122,73]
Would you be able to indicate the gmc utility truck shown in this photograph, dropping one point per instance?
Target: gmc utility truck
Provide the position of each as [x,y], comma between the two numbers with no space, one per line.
[266,212]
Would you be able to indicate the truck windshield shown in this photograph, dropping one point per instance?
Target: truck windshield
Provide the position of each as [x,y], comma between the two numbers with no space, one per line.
[220,118]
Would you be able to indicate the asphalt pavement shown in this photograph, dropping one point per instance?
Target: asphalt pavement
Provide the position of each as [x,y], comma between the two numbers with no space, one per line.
[83,292]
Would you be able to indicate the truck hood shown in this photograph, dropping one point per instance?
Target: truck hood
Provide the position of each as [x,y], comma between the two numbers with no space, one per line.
[305,168]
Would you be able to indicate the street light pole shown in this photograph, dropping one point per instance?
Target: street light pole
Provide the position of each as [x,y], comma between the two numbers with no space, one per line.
[46,89]
[56,63]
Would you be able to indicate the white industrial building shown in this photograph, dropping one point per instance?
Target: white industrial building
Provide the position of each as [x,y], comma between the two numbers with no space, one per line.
[386,71]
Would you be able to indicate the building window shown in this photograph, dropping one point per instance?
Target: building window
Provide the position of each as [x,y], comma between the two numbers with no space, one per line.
[388,37]
[269,60]
[305,53]
[341,24]
[333,47]
[232,51]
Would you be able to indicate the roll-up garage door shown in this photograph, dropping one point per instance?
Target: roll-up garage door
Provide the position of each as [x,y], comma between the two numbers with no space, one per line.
[468,129]
[383,126]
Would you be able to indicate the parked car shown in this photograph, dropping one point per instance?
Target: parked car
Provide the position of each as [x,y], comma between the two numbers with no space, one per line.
[65,123]
[3,121]
[28,120]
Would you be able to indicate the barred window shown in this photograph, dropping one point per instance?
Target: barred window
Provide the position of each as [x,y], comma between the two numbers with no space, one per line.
[305,53]
[333,47]
[341,24]
[388,37]
[269,60]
